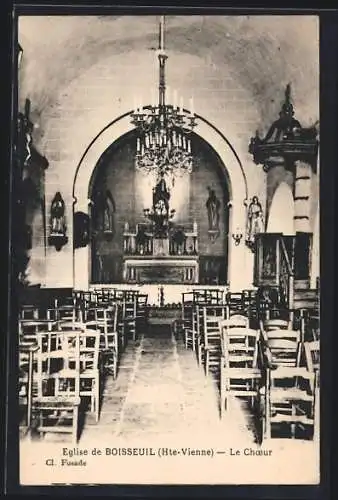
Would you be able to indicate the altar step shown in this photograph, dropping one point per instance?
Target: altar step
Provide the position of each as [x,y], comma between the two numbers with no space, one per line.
[163,315]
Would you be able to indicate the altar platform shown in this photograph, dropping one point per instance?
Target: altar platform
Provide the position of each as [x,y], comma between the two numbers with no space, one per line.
[171,269]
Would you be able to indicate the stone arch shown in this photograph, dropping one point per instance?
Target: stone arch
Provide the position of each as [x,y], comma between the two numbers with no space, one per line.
[234,172]
[281,214]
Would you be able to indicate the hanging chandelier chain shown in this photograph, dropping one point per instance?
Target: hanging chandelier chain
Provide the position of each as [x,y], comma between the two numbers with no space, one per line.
[163,140]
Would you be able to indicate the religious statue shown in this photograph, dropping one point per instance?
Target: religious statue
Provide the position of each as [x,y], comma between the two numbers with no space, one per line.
[213,205]
[161,196]
[108,213]
[286,127]
[255,223]
[58,221]
[58,236]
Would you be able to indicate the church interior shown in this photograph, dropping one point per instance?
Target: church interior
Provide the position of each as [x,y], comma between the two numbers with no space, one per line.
[167,178]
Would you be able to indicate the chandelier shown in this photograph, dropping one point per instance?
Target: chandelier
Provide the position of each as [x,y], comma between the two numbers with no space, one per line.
[163,130]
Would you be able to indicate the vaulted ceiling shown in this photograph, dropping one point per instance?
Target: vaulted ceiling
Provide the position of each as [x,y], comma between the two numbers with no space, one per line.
[263,52]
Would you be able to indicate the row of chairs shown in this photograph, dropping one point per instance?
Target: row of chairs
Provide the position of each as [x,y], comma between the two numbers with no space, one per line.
[248,303]
[252,360]
[76,344]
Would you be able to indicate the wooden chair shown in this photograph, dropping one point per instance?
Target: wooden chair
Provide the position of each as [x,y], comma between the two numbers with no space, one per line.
[288,398]
[312,358]
[29,312]
[198,332]
[67,312]
[68,325]
[141,312]
[105,320]
[29,331]
[187,319]
[89,369]
[212,315]
[208,296]
[312,355]
[235,302]
[249,301]
[201,298]
[282,347]
[240,374]
[310,324]
[58,380]
[130,314]
[27,349]
[275,324]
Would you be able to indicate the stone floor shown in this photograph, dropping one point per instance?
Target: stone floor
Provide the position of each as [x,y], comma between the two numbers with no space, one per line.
[162,399]
[161,390]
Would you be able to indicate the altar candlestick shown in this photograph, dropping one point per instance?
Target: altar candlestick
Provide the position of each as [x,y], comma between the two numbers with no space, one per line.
[181,104]
[175,99]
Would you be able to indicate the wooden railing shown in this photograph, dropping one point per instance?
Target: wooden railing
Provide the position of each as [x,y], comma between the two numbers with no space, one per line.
[285,276]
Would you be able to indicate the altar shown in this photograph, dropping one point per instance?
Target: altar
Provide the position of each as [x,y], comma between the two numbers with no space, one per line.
[160,251]
[170,259]
[160,270]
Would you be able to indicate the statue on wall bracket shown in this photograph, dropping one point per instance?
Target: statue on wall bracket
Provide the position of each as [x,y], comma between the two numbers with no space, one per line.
[255,222]
[58,226]
[213,206]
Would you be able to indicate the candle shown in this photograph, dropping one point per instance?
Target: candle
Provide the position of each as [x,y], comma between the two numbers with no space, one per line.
[192,105]
[175,99]
[189,146]
[138,144]
[162,33]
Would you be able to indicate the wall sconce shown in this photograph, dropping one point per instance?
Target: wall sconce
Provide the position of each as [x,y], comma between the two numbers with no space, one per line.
[237,236]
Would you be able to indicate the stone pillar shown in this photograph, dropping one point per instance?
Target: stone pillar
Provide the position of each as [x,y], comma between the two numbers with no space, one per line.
[82,256]
[302,197]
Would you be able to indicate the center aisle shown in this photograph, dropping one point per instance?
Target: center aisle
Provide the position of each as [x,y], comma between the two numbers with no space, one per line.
[160,424]
[161,391]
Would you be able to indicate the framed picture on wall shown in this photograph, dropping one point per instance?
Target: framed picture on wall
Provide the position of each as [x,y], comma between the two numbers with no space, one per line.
[266,259]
